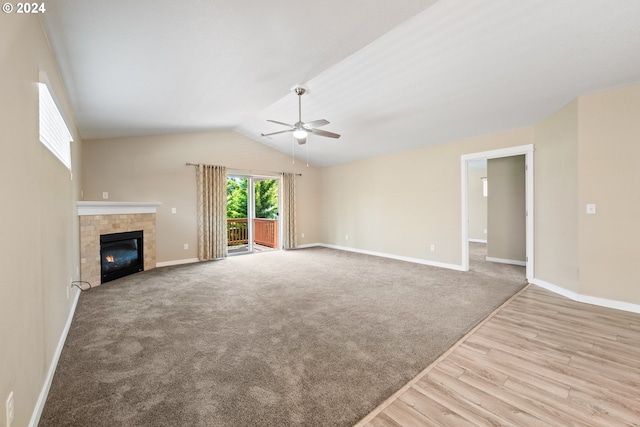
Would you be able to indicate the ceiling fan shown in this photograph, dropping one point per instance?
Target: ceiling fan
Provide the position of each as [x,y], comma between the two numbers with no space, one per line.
[301,129]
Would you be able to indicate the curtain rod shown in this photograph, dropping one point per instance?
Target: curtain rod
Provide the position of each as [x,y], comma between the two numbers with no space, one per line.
[239,170]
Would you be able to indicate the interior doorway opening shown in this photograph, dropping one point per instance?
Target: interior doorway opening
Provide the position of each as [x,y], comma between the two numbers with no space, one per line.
[252,214]
[466,160]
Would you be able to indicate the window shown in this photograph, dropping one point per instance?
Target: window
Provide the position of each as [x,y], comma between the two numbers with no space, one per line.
[54,133]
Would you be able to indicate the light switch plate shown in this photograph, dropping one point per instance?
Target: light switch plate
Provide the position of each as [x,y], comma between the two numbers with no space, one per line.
[591,208]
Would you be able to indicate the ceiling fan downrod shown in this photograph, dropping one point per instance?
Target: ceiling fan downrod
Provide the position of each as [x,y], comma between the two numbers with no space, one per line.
[299,132]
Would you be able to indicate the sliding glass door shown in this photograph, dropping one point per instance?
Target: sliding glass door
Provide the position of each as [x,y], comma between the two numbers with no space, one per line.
[252,214]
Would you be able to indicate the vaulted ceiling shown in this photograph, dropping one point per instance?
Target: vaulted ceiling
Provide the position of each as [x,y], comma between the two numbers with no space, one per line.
[388,75]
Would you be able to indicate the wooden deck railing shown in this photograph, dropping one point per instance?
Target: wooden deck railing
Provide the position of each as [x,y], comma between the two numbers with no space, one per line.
[265,231]
[237,231]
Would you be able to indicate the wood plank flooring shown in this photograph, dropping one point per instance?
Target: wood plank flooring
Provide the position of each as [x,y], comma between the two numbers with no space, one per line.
[540,360]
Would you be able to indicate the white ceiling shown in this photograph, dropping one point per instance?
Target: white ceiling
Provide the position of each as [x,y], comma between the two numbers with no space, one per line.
[388,75]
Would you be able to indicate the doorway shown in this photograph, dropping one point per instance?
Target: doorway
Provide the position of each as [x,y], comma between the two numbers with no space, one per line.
[527,151]
[252,214]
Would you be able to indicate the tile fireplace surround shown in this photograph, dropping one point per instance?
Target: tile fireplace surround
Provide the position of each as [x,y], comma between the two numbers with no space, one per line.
[98,218]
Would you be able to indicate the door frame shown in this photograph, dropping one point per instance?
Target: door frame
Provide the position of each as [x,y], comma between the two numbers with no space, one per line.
[527,151]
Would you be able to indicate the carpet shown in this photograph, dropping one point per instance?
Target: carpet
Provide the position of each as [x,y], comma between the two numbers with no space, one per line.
[310,337]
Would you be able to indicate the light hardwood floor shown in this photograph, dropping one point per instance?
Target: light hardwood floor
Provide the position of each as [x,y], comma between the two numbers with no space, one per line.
[540,360]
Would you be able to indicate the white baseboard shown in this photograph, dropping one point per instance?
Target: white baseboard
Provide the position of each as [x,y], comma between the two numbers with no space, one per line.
[478,240]
[397,257]
[602,302]
[506,261]
[176,262]
[555,289]
[42,399]
[308,245]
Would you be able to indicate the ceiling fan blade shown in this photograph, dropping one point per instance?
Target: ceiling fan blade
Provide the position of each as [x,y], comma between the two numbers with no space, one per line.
[324,133]
[280,123]
[315,124]
[275,133]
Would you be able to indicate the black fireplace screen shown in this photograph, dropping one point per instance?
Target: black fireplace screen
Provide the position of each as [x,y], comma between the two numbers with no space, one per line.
[121,254]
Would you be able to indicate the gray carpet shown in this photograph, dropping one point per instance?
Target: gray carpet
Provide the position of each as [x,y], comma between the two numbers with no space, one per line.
[312,337]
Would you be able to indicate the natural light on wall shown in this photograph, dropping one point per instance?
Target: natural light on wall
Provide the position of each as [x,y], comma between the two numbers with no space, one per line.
[54,133]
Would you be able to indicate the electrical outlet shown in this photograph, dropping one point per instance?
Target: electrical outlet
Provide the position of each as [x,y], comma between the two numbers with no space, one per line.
[186,246]
[433,247]
[9,409]
[173,210]
[485,231]
[302,235]
[105,194]
[346,237]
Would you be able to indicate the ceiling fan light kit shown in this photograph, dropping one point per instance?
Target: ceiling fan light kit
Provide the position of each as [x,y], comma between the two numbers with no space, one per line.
[300,129]
[300,134]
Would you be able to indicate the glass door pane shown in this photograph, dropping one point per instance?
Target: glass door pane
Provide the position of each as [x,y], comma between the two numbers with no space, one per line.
[238,224]
[265,222]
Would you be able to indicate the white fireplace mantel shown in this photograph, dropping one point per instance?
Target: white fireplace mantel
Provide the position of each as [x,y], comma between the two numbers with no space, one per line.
[116,208]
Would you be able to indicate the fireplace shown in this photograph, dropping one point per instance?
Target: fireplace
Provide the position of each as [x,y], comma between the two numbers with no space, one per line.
[121,254]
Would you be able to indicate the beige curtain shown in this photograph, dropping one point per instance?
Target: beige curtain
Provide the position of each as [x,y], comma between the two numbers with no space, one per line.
[212,211]
[289,211]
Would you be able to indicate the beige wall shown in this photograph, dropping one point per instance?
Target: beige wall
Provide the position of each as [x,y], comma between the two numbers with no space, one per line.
[506,209]
[152,169]
[556,198]
[609,174]
[477,201]
[402,203]
[585,152]
[38,221]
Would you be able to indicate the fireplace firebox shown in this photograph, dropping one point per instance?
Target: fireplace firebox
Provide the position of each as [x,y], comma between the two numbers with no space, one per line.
[121,254]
